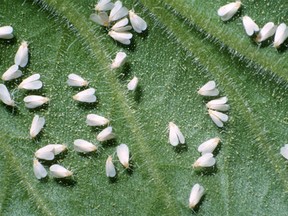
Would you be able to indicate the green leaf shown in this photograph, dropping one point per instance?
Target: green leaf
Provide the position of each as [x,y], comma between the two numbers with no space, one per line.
[185,46]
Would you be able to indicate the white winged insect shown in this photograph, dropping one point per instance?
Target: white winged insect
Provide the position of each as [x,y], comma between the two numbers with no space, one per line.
[280,35]
[6,32]
[267,31]
[21,57]
[31,83]
[123,155]
[58,171]
[139,25]
[121,26]
[96,120]
[209,89]
[11,73]
[5,96]
[227,11]
[122,37]
[218,104]
[175,135]
[100,18]
[37,125]
[86,96]
[84,146]
[206,160]
[110,168]
[132,85]
[119,60]
[249,25]
[33,101]
[49,151]
[284,151]
[196,194]
[39,170]
[76,80]
[117,12]
[218,117]
[104,5]
[209,145]
[106,134]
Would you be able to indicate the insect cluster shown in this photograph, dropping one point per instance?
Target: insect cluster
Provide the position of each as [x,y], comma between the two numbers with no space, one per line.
[117,24]
[51,151]
[206,148]
[119,30]
[227,11]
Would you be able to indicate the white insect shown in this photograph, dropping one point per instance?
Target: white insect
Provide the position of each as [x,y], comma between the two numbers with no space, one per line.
[6,32]
[195,196]
[76,80]
[37,125]
[104,5]
[249,25]
[84,146]
[86,96]
[121,26]
[122,37]
[106,134]
[217,117]
[58,171]
[117,12]
[96,120]
[206,160]
[284,151]
[100,18]
[119,60]
[13,72]
[267,31]
[49,151]
[209,146]
[218,104]
[21,57]
[175,135]
[110,168]
[123,155]
[31,83]
[280,35]
[139,25]
[227,11]
[209,89]
[45,153]
[33,101]
[5,96]
[132,85]
[39,170]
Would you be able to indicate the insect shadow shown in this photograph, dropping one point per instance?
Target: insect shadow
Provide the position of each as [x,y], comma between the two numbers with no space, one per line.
[88,106]
[130,169]
[93,154]
[144,35]
[283,47]
[181,148]
[207,171]
[12,110]
[66,182]
[110,143]
[125,71]
[11,41]
[138,94]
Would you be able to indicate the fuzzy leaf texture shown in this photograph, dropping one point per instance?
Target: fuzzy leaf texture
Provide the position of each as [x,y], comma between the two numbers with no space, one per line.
[185,46]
